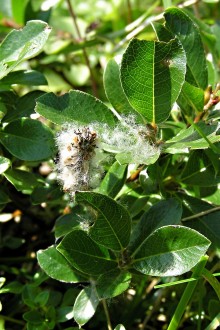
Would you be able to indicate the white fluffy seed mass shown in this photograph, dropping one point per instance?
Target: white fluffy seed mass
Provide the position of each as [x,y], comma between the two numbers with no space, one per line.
[127,137]
[81,151]
[78,163]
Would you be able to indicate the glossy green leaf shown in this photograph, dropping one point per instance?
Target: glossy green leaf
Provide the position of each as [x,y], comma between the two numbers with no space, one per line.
[84,254]
[112,284]
[152,74]
[13,287]
[115,93]
[64,314]
[181,25]
[207,224]
[112,226]
[42,298]
[21,77]
[114,180]
[119,327]
[66,223]
[23,107]
[57,267]
[5,163]
[34,316]
[85,305]
[163,213]
[190,138]
[48,194]
[170,251]
[28,139]
[75,106]
[191,98]
[22,180]
[20,45]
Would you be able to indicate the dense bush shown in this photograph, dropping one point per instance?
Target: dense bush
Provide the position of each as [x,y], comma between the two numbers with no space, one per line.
[109,165]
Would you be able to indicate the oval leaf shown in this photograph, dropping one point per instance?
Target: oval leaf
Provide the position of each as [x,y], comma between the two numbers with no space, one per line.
[85,305]
[5,163]
[170,251]
[28,139]
[57,267]
[115,93]
[75,106]
[180,24]
[112,284]
[84,254]
[152,74]
[20,45]
[112,225]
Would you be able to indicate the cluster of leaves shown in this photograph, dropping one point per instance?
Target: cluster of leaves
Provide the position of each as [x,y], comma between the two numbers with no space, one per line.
[153,219]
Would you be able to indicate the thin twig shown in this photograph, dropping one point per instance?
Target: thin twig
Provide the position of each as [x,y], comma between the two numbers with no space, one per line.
[201,214]
[72,13]
[107,314]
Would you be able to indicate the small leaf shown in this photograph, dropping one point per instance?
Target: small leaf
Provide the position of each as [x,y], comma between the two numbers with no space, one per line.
[23,107]
[170,251]
[20,45]
[112,226]
[28,139]
[66,223]
[112,283]
[180,24]
[84,254]
[57,267]
[114,180]
[115,92]
[21,77]
[85,305]
[5,163]
[120,327]
[190,138]
[22,180]
[152,74]
[75,106]
[191,97]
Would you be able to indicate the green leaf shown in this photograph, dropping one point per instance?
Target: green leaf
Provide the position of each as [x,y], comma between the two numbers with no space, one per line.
[112,284]
[4,198]
[20,45]
[48,194]
[23,107]
[42,298]
[85,305]
[28,139]
[152,74]
[21,77]
[66,223]
[170,251]
[34,317]
[114,180]
[64,314]
[180,24]
[5,163]
[84,254]
[22,180]
[199,172]
[163,213]
[75,106]
[14,287]
[112,226]
[190,138]
[191,97]
[57,267]
[115,92]
[120,327]
[207,224]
